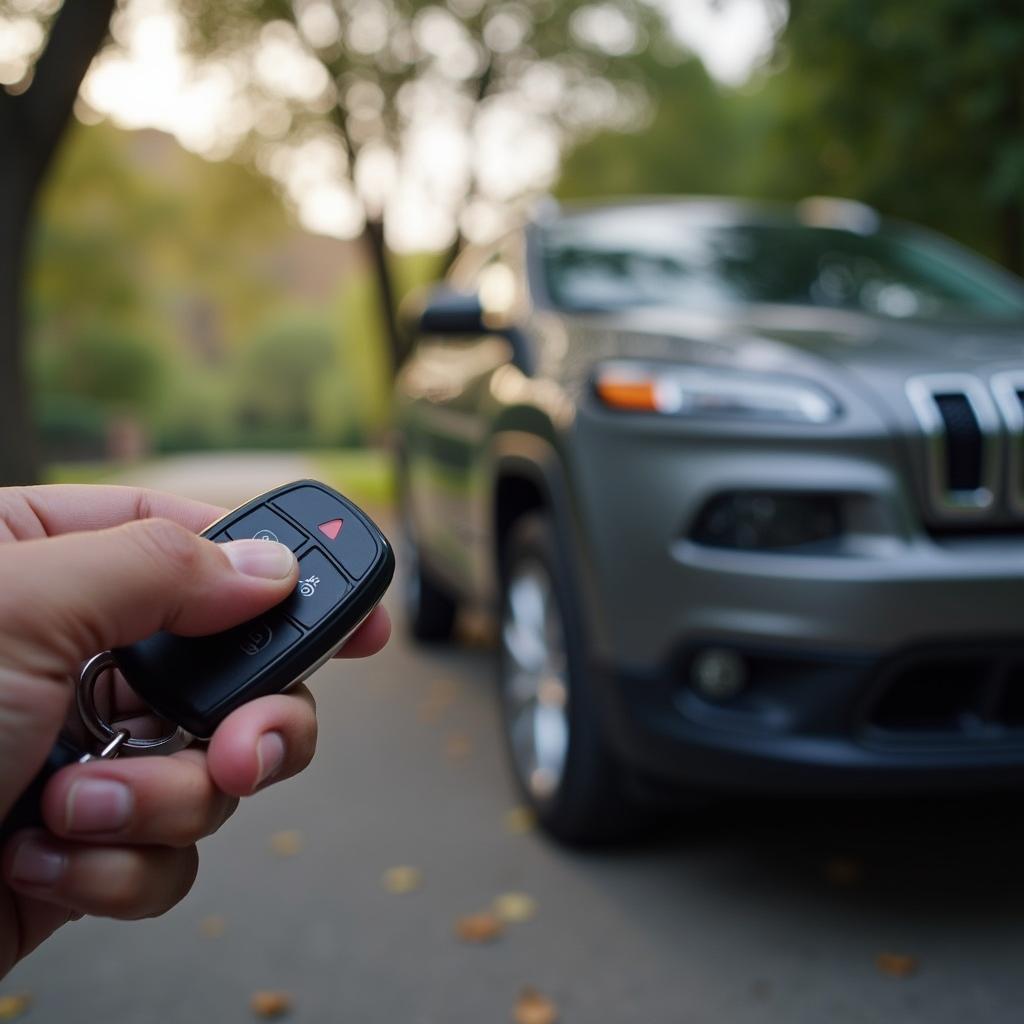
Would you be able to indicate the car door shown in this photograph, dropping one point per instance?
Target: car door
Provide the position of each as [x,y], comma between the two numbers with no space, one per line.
[444,461]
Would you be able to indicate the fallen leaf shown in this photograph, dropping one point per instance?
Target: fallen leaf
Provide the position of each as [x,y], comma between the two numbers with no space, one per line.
[12,1007]
[439,698]
[479,928]
[458,745]
[844,871]
[477,633]
[519,820]
[402,879]
[896,965]
[533,1008]
[515,907]
[287,843]
[270,1004]
[213,926]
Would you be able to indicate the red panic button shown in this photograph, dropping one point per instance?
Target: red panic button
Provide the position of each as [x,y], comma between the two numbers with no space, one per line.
[331,528]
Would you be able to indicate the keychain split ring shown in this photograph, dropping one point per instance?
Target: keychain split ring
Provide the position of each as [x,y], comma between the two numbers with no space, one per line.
[102,730]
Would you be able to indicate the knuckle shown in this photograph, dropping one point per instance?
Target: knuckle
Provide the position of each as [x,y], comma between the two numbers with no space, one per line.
[200,811]
[149,883]
[170,546]
[185,867]
[127,891]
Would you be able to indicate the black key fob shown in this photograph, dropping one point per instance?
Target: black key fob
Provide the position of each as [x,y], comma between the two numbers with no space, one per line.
[345,566]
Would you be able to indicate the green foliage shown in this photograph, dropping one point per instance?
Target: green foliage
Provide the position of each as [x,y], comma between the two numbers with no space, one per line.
[691,144]
[109,367]
[366,475]
[170,290]
[915,108]
[276,376]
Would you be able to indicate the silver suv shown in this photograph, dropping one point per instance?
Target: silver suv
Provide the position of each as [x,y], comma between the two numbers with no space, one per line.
[745,484]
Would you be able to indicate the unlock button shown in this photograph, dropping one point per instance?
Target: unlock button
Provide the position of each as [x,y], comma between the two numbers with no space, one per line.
[320,589]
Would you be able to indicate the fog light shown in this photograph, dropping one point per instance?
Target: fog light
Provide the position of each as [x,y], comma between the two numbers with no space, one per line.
[718,674]
[754,521]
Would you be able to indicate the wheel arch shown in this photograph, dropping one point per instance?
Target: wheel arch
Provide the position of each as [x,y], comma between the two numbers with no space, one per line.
[529,474]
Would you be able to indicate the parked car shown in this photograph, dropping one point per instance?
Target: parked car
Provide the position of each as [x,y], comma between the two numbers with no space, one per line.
[745,484]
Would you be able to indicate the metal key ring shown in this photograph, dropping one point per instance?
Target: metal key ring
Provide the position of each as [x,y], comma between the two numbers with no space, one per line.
[102,730]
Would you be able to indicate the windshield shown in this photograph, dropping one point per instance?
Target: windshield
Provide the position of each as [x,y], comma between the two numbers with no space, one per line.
[653,256]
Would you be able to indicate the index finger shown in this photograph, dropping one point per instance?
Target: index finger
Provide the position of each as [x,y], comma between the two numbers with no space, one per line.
[53,509]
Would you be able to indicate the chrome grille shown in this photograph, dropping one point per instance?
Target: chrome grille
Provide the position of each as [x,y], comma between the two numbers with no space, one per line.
[1008,389]
[963,435]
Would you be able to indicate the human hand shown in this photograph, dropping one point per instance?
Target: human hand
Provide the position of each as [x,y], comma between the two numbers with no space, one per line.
[83,569]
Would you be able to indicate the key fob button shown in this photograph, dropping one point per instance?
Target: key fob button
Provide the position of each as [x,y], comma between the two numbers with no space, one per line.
[263,524]
[204,673]
[231,660]
[335,525]
[320,588]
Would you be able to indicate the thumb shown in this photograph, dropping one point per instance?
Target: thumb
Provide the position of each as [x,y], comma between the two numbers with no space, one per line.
[65,598]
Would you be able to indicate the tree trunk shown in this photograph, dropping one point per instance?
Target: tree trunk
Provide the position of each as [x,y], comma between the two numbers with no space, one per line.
[376,247]
[18,456]
[31,126]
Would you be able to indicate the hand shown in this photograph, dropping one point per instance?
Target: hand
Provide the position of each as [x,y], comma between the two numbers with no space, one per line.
[94,568]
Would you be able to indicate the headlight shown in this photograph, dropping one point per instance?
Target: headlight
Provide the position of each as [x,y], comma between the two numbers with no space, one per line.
[692,391]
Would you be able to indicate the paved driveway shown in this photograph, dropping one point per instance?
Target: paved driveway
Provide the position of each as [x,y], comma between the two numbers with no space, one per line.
[753,913]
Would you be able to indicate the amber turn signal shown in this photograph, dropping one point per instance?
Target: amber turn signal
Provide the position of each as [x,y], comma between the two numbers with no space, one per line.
[631,393]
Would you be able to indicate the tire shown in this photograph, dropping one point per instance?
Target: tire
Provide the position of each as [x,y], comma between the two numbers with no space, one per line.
[574,785]
[430,610]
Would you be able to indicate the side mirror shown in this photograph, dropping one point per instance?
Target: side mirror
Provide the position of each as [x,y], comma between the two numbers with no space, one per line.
[450,312]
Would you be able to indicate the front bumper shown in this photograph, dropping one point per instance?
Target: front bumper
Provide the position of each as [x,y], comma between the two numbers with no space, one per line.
[937,620]
[941,718]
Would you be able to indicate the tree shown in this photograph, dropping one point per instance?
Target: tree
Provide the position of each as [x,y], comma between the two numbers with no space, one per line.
[32,121]
[917,109]
[694,142]
[557,69]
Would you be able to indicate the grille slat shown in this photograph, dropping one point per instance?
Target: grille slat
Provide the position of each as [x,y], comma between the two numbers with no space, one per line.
[964,440]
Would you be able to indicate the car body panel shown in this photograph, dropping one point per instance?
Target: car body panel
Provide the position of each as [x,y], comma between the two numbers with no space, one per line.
[625,489]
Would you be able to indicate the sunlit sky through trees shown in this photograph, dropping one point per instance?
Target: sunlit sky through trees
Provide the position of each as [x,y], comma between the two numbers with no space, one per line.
[148,79]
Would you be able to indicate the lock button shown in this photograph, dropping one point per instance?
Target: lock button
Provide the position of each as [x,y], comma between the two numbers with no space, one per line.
[263,524]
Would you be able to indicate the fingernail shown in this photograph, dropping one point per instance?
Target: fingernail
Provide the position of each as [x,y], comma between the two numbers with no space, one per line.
[35,863]
[263,558]
[97,805]
[269,757]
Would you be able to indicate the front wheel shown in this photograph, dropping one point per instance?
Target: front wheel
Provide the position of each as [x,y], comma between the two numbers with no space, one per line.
[553,733]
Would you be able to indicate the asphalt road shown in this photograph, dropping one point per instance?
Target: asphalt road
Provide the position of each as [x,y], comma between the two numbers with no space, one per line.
[750,912]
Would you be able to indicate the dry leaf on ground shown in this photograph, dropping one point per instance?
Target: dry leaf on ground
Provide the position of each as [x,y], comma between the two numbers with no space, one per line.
[439,698]
[515,907]
[12,1007]
[287,843]
[533,1008]
[213,926]
[270,1004]
[896,965]
[402,879]
[519,820]
[458,745]
[479,928]
[477,633]
[844,871]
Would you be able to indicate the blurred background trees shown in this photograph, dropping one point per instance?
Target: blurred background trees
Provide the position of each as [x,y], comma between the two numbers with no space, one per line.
[251,185]
[917,109]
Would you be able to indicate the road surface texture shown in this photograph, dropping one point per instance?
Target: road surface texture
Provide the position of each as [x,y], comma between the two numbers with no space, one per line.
[748,913]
